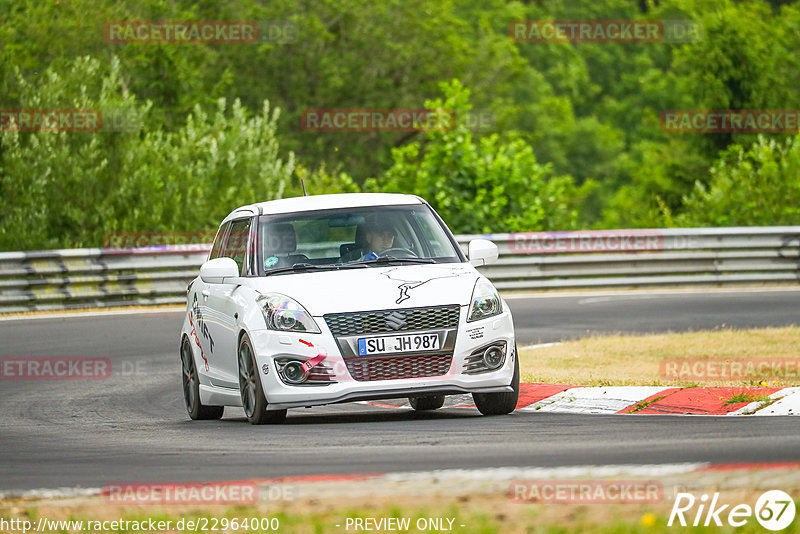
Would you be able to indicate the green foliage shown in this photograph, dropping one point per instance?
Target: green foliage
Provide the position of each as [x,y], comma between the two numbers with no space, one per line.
[755,186]
[576,126]
[70,188]
[319,181]
[485,185]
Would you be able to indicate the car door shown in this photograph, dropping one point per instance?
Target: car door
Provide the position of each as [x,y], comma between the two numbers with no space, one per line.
[225,304]
[203,317]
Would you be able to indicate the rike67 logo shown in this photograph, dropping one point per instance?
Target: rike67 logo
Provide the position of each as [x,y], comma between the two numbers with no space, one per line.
[774,510]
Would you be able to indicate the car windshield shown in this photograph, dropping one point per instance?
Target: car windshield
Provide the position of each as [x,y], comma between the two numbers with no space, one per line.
[329,239]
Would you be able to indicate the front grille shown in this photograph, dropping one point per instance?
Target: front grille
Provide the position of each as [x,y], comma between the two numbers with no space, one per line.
[383,368]
[389,321]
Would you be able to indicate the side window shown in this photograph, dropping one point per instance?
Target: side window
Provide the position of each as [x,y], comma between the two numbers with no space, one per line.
[216,248]
[236,243]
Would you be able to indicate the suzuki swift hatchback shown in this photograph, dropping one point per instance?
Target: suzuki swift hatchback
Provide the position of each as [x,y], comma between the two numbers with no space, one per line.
[335,298]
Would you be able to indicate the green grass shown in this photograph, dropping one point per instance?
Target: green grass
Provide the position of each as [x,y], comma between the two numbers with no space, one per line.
[636,360]
[641,405]
[472,512]
[745,397]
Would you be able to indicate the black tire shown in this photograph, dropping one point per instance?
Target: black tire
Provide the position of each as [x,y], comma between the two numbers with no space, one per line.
[253,400]
[422,404]
[191,388]
[500,403]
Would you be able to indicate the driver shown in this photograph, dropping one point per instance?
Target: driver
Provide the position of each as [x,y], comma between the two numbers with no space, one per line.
[379,237]
[374,236]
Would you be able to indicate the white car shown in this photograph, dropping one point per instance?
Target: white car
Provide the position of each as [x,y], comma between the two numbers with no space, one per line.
[335,298]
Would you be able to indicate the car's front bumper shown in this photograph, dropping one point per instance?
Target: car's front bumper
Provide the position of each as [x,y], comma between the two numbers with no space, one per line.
[389,394]
[269,346]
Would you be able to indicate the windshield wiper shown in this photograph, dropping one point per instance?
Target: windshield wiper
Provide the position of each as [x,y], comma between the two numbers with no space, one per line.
[392,259]
[300,267]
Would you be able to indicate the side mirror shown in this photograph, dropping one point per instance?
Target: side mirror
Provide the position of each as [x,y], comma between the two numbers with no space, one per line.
[216,270]
[482,252]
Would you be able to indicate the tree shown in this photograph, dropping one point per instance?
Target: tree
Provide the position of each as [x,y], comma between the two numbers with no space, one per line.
[485,185]
[64,189]
[756,186]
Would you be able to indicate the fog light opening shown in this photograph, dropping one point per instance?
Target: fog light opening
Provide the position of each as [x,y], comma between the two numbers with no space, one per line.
[493,357]
[294,373]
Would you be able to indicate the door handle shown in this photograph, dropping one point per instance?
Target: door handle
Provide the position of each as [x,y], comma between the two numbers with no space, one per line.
[206,293]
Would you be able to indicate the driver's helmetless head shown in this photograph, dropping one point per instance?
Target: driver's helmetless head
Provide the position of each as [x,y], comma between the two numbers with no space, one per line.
[380,237]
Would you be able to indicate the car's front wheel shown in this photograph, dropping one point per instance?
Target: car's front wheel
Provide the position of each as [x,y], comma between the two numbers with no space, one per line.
[421,404]
[253,400]
[191,388]
[500,403]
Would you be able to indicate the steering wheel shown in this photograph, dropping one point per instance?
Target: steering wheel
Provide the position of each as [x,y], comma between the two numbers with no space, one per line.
[408,253]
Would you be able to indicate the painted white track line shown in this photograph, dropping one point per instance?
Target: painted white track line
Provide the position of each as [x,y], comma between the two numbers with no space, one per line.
[789,403]
[626,292]
[542,345]
[594,400]
[754,407]
[69,315]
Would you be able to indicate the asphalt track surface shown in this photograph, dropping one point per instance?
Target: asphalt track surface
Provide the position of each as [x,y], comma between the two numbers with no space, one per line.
[133,427]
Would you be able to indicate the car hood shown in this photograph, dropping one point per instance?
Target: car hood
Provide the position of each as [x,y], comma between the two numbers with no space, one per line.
[375,288]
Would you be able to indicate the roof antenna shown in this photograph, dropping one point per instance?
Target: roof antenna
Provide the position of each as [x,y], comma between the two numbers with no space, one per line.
[303,182]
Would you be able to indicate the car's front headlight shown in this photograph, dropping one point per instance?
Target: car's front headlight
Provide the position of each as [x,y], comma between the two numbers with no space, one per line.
[285,315]
[485,301]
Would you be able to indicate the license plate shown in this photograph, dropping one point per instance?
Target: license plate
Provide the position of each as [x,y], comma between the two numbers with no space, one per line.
[389,344]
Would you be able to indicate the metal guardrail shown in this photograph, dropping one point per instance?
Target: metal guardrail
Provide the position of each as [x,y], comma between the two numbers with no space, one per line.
[78,278]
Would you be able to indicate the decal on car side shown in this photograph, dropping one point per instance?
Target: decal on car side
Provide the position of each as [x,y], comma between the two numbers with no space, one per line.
[202,324]
[193,333]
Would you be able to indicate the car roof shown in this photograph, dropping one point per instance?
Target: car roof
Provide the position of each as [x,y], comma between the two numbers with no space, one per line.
[324,202]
